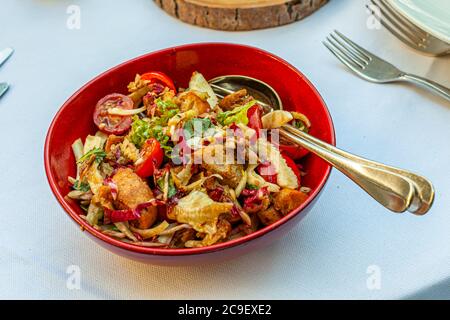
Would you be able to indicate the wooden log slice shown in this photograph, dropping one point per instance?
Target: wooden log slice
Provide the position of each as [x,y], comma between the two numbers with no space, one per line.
[237,15]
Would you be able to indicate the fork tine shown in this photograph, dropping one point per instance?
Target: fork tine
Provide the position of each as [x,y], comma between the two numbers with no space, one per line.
[412,28]
[345,52]
[358,48]
[349,63]
[361,59]
[394,31]
[395,22]
[399,23]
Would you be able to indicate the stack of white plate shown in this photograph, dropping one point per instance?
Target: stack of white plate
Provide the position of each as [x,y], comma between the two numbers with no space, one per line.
[432,16]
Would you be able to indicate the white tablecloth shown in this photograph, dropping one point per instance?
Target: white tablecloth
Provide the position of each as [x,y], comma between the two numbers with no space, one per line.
[348,247]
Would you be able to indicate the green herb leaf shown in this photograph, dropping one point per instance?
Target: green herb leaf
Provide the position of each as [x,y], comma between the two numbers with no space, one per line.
[251,187]
[164,106]
[299,124]
[142,130]
[172,190]
[237,115]
[98,152]
[196,127]
[81,186]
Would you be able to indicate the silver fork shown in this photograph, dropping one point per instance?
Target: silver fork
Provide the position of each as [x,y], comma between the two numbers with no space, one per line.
[406,31]
[372,68]
[4,55]
[3,88]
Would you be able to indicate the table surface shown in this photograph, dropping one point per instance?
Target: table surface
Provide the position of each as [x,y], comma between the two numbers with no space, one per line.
[346,242]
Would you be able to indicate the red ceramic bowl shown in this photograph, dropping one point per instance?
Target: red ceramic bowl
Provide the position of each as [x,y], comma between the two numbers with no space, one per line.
[74,120]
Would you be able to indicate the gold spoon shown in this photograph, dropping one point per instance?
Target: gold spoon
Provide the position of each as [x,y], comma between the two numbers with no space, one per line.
[397,189]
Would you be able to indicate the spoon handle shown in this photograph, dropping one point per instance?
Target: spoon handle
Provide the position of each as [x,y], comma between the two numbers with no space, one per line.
[396,189]
[424,196]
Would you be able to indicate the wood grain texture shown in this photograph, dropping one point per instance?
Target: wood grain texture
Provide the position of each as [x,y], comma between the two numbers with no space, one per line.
[238,15]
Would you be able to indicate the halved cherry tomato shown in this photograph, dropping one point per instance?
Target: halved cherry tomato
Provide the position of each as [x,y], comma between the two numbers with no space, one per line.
[268,172]
[112,124]
[291,164]
[294,152]
[150,159]
[254,115]
[159,77]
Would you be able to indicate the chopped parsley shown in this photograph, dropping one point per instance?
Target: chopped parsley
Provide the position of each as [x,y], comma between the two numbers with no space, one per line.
[142,130]
[97,152]
[81,186]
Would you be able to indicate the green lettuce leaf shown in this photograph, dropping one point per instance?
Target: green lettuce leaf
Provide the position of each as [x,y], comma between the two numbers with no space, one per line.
[237,115]
[142,130]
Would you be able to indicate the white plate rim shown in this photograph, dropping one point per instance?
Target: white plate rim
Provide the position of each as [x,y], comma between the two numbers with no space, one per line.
[420,24]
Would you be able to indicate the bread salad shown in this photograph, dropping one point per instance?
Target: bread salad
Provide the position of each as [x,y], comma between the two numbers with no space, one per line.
[182,168]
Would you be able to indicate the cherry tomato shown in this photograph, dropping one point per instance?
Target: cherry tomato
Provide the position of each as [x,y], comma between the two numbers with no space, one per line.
[291,164]
[254,115]
[268,172]
[112,124]
[150,159]
[159,77]
[294,152]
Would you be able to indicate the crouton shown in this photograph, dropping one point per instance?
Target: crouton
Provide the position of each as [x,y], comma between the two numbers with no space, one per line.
[288,199]
[133,191]
[269,216]
[229,102]
[103,198]
[192,101]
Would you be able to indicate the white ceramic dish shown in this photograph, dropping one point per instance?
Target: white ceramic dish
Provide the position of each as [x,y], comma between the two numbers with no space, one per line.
[433,16]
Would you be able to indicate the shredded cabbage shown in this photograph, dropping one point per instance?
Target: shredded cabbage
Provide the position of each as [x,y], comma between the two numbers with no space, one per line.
[276,119]
[124,112]
[94,214]
[153,232]
[200,211]
[93,142]
[77,148]
[199,83]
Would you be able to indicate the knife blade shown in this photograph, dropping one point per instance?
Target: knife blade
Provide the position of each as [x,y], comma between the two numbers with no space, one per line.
[3,88]
[5,54]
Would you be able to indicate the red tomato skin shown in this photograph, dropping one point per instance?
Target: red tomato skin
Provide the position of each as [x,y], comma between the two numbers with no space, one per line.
[267,171]
[254,115]
[152,155]
[126,121]
[291,164]
[294,152]
[159,77]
